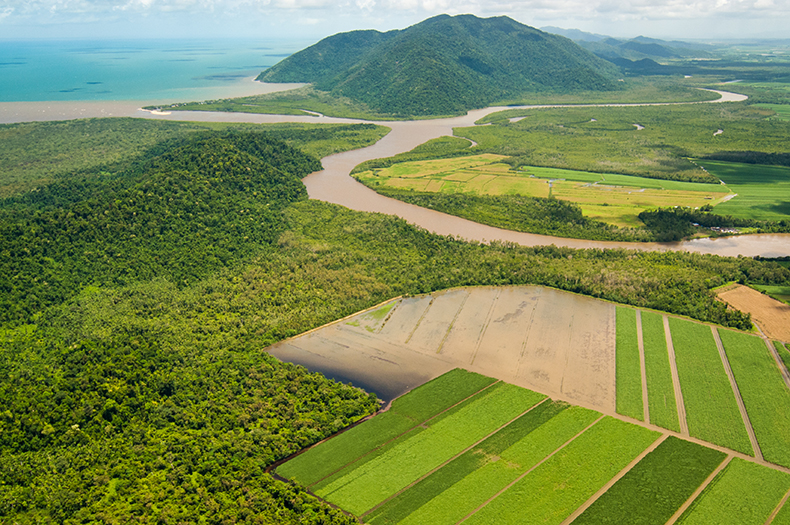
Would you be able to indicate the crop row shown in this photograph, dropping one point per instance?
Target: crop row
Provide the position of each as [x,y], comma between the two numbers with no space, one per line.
[406,412]
[364,487]
[657,486]
[764,393]
[628,369]
[711,410]
[660,392]
[463,485]
[553,490]
[742,493]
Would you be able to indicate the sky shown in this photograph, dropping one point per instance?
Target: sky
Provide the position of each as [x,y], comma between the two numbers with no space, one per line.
[314,19]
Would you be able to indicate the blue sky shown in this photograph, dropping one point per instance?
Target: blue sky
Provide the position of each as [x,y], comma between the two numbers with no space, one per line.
[313,19]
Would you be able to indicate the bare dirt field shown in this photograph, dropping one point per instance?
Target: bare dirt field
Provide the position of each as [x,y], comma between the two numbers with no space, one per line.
[772,316]
[550,341]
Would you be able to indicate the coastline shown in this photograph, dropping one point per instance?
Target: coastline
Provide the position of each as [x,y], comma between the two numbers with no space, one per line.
[48,110]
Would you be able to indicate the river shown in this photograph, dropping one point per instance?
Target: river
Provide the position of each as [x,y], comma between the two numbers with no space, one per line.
[334,184]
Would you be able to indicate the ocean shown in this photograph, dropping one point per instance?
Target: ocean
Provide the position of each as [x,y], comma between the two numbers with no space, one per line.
[151,70]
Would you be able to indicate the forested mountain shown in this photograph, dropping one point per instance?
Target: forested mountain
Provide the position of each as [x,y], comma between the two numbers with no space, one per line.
[445,65]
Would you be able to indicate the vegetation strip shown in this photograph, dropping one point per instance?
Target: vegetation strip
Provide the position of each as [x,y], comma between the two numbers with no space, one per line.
[713,475]
[642,366]
[673,368]
[363,488]
[781,354]
[609,484]
[657,486]
[536,466]
[457,489]
[430,401]
[743,492]
[484,446]
[738,398]
[628,364]
[661,393]
[554,490]
[711,408]
[765,395]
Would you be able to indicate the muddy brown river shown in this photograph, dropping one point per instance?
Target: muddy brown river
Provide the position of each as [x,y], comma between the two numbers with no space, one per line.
[335,185]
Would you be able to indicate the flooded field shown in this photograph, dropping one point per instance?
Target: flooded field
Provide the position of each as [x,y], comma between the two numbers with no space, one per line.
[553,342]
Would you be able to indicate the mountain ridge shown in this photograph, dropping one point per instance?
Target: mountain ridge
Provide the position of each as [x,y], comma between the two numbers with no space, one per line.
[445,65]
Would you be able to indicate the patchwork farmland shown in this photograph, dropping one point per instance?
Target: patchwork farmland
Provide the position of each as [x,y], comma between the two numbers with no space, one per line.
[505,454]
[650,419]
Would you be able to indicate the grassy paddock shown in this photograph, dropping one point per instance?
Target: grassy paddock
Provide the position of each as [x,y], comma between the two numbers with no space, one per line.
[765,395]
[628,369]
[656,487]
[557,487]
[763,191]
[742,493]
[660,392]
[711,410]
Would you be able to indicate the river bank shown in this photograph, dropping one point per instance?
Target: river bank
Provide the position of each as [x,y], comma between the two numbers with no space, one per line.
[335,185]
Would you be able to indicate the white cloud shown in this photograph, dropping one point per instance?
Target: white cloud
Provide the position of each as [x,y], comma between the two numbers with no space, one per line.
[630,16]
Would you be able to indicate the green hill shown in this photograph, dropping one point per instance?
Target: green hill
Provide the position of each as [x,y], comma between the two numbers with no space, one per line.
[445,65]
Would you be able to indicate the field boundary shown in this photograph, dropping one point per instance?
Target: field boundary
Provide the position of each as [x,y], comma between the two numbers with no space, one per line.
[495,496]
[782,369]
[678,513]
[738,398]
[464,451]
[778,508]
[673,368]
[578,512]
[640,341]
[418,424]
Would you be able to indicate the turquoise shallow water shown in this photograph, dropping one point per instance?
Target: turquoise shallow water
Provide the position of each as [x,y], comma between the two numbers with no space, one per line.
[132,70]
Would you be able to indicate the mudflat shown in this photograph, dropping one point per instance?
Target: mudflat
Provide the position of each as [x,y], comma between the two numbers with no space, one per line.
[550,341]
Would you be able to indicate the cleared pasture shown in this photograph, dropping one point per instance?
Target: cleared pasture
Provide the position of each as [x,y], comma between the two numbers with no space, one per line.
[711,409]
[660,392]
[554,489]
[743,493]
[652,491]
[764,393]
[763,191]
[628,375]
[616,199]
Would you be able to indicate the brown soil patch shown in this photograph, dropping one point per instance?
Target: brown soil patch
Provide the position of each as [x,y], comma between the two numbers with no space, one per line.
[553,342]
[772,316]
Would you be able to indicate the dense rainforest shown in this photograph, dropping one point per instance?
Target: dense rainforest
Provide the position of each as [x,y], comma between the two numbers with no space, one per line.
[139,297]
[445,65]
